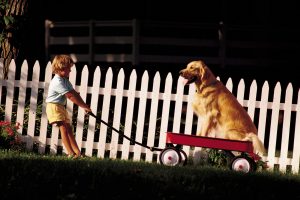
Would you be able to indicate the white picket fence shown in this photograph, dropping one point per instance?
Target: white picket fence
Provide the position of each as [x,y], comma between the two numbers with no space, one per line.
[144,109]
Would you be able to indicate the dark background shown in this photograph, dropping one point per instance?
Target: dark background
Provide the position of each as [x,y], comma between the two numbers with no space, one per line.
[267,13]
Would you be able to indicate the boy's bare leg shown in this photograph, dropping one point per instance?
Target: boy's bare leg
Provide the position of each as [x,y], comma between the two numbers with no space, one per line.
[64,129]
[72,140]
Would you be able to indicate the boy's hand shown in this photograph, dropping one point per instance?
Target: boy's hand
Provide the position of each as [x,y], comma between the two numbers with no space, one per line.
[87,110]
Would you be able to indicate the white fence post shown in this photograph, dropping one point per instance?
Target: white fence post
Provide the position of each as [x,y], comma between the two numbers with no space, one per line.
[22,95]
[274,126]
[166,96]
[94,107]
[263,105]
[33,105]
[153,116]
[107,92]
[10,90]
[117,114]
[137,150]
[296,146]
[252,100]
[44,120]
[286,128]
[178,107]
[129,114]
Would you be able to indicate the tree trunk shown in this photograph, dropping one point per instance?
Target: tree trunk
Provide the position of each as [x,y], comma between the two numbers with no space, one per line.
[12,21]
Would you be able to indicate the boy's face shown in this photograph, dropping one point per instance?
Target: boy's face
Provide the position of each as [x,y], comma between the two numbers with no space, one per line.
[65,72]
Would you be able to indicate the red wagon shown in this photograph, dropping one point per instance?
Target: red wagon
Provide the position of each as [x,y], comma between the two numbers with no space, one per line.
[174,155]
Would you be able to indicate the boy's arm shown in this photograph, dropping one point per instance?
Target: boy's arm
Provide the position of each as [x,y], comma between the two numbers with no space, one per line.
[76,98]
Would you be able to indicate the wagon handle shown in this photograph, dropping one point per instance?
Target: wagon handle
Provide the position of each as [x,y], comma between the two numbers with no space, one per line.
[122,134]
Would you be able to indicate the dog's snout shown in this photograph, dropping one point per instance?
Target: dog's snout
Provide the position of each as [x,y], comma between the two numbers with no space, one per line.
[181,72]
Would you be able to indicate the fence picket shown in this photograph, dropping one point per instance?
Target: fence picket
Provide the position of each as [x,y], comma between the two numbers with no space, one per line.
[229,84]
[33,105]
[55,130]
[10,91]
[153,116]
[107,92]
[274,126]
[296,146]
[44,120]
[241,92]
[129,114]
[286,127]
[252,100]
[94,106]
[165,110]
[189,118]
[22,95]
[189,111]
[263,111]
[72,79]
[137,150]
[178,106]
[117,114]
[81,113]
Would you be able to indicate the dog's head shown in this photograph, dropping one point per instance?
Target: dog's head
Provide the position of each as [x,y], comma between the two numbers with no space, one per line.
[197,72]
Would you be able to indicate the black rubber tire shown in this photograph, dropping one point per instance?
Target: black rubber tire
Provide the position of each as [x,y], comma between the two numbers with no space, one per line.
[184,157]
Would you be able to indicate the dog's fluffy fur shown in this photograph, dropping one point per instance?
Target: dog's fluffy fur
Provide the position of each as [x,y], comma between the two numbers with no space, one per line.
[223,116]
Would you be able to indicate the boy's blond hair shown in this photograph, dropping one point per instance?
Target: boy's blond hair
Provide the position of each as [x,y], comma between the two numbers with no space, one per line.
[60,62]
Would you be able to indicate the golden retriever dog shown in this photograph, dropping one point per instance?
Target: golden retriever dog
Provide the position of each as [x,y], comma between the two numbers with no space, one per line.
[222,115]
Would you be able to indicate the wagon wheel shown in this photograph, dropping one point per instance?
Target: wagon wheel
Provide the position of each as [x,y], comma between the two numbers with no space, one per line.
[183,157]
[183,154]
[170,156]
[243,164]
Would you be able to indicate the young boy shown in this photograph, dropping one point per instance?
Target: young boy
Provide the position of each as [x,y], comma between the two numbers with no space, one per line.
[60,89]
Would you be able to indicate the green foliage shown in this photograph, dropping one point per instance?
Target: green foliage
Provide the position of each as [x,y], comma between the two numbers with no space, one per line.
[33,175]
[9,136]
[217,158]
[5,21]
[220,159]
[13,18]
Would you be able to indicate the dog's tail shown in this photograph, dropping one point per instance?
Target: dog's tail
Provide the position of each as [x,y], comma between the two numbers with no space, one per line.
[258,146]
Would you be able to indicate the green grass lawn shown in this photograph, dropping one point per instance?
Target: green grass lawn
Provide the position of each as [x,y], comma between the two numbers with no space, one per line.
[32,176]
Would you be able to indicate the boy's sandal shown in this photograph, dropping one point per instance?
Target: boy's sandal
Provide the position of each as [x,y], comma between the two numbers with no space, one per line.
[72,156]
[75,156]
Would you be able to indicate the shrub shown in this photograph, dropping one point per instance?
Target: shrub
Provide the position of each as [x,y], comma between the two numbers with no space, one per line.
[9,136]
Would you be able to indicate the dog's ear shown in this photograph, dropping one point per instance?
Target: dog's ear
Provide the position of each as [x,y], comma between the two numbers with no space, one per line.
[206,75]
[203,71]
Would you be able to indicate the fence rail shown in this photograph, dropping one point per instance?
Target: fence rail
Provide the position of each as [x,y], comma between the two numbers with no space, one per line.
[144,109]
[143,42]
